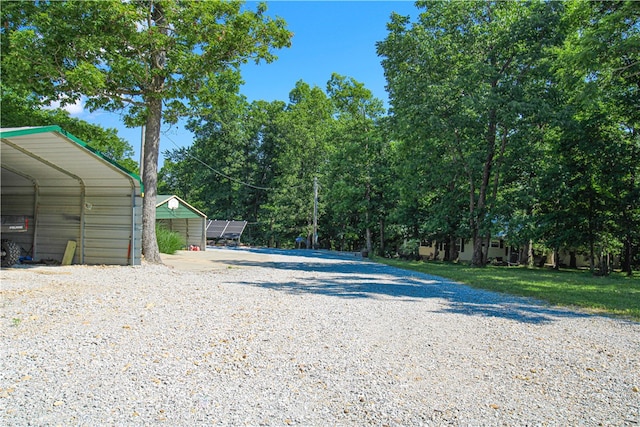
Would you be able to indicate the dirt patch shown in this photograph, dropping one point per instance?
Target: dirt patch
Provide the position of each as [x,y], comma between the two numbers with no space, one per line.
[212,259]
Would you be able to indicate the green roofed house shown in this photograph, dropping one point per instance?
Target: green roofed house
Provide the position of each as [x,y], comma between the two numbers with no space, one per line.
[177,215]
[78,205]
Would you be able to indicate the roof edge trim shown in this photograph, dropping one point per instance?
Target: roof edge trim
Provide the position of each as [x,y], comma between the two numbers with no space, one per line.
[58,129]
[187,205]
[30,131]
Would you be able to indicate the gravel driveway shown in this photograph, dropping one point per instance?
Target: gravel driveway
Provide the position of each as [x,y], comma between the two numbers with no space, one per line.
[259,337]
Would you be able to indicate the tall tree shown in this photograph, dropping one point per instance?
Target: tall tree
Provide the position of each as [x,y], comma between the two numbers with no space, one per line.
[227,170]
[156,60]
[303,151]
[352,182]
[456,77]
[599,68]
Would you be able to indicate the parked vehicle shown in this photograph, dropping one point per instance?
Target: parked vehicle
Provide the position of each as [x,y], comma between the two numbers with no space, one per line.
[10,249]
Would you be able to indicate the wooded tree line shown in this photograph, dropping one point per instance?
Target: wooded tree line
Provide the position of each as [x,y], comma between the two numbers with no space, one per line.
[507,119]
[511,119]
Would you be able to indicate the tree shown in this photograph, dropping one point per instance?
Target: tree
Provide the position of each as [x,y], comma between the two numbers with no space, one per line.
[599,69]
[457,81]
[155,60]
[303,151]
[227,170]
[352,184]
[20,111]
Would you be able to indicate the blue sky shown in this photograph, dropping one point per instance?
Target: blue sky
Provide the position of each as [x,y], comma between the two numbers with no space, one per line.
[329,36]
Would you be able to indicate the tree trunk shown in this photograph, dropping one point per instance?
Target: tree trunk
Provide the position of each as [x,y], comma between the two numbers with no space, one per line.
[485,251]
[592,255]
[477,259]
[150,248]
[369,243]
[381,237]
[628,255]
[523,254]
[367,231]
[153,102]
[453,252]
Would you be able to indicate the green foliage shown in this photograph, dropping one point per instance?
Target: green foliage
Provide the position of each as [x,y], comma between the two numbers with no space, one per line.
[507,118]
[154,61]
[617,295]
[19,111]
[356,170]
[409,249]
[518,119]
[459,80]
[169,241]
[120,53]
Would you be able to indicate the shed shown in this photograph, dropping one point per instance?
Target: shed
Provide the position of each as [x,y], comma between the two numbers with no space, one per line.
[70,192]
[179,216]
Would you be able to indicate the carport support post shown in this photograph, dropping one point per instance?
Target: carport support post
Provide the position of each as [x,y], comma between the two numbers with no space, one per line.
[132,242]
[83,208]
[203,239]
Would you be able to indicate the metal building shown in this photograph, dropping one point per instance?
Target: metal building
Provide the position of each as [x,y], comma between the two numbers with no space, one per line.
[177,215]
[70,192]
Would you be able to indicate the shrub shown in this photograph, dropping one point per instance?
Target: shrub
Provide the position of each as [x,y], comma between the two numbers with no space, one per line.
[168,241]
[410,249]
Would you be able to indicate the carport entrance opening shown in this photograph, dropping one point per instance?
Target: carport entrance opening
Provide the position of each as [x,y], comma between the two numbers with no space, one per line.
[70,192]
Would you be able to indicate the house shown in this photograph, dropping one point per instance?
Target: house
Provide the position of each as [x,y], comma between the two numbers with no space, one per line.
[501,252]
[498,250]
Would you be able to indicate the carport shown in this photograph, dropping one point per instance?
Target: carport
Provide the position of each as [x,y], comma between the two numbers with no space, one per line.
[70,192]
[179,216]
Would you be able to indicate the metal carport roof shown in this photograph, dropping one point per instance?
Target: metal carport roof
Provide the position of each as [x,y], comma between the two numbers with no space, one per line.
[25,150]
[78,193]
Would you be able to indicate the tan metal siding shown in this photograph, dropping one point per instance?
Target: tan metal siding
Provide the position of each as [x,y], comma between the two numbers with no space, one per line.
[107,229]
[80,195]
[191,229]
[17,197]
[57,222]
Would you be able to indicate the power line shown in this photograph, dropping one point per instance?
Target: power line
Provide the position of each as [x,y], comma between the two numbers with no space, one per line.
[246,184]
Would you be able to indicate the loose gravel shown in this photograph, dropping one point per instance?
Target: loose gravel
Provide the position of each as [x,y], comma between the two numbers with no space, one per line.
[306,339]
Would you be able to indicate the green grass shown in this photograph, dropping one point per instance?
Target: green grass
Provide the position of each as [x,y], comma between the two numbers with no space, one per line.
[616,294]
[168,241]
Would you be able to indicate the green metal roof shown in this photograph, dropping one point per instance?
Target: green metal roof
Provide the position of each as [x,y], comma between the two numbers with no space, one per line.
[29,149]
[181,209]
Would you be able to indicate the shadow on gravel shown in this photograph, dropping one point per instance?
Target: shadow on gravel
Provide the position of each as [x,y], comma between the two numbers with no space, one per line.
[354,278]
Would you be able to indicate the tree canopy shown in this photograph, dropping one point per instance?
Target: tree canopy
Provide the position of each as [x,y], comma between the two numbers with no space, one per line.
[156,61]
[510,120]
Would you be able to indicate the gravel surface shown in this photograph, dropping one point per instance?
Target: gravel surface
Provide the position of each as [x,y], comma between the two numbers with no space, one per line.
[301,338]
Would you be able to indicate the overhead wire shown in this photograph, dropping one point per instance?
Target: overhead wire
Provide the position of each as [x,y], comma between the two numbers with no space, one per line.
[230,178]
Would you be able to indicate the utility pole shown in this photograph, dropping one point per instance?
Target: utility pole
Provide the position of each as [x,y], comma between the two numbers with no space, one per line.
[142,136]
[315,213]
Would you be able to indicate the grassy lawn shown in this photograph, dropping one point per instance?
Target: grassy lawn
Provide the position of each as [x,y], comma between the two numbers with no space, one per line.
[617,294]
